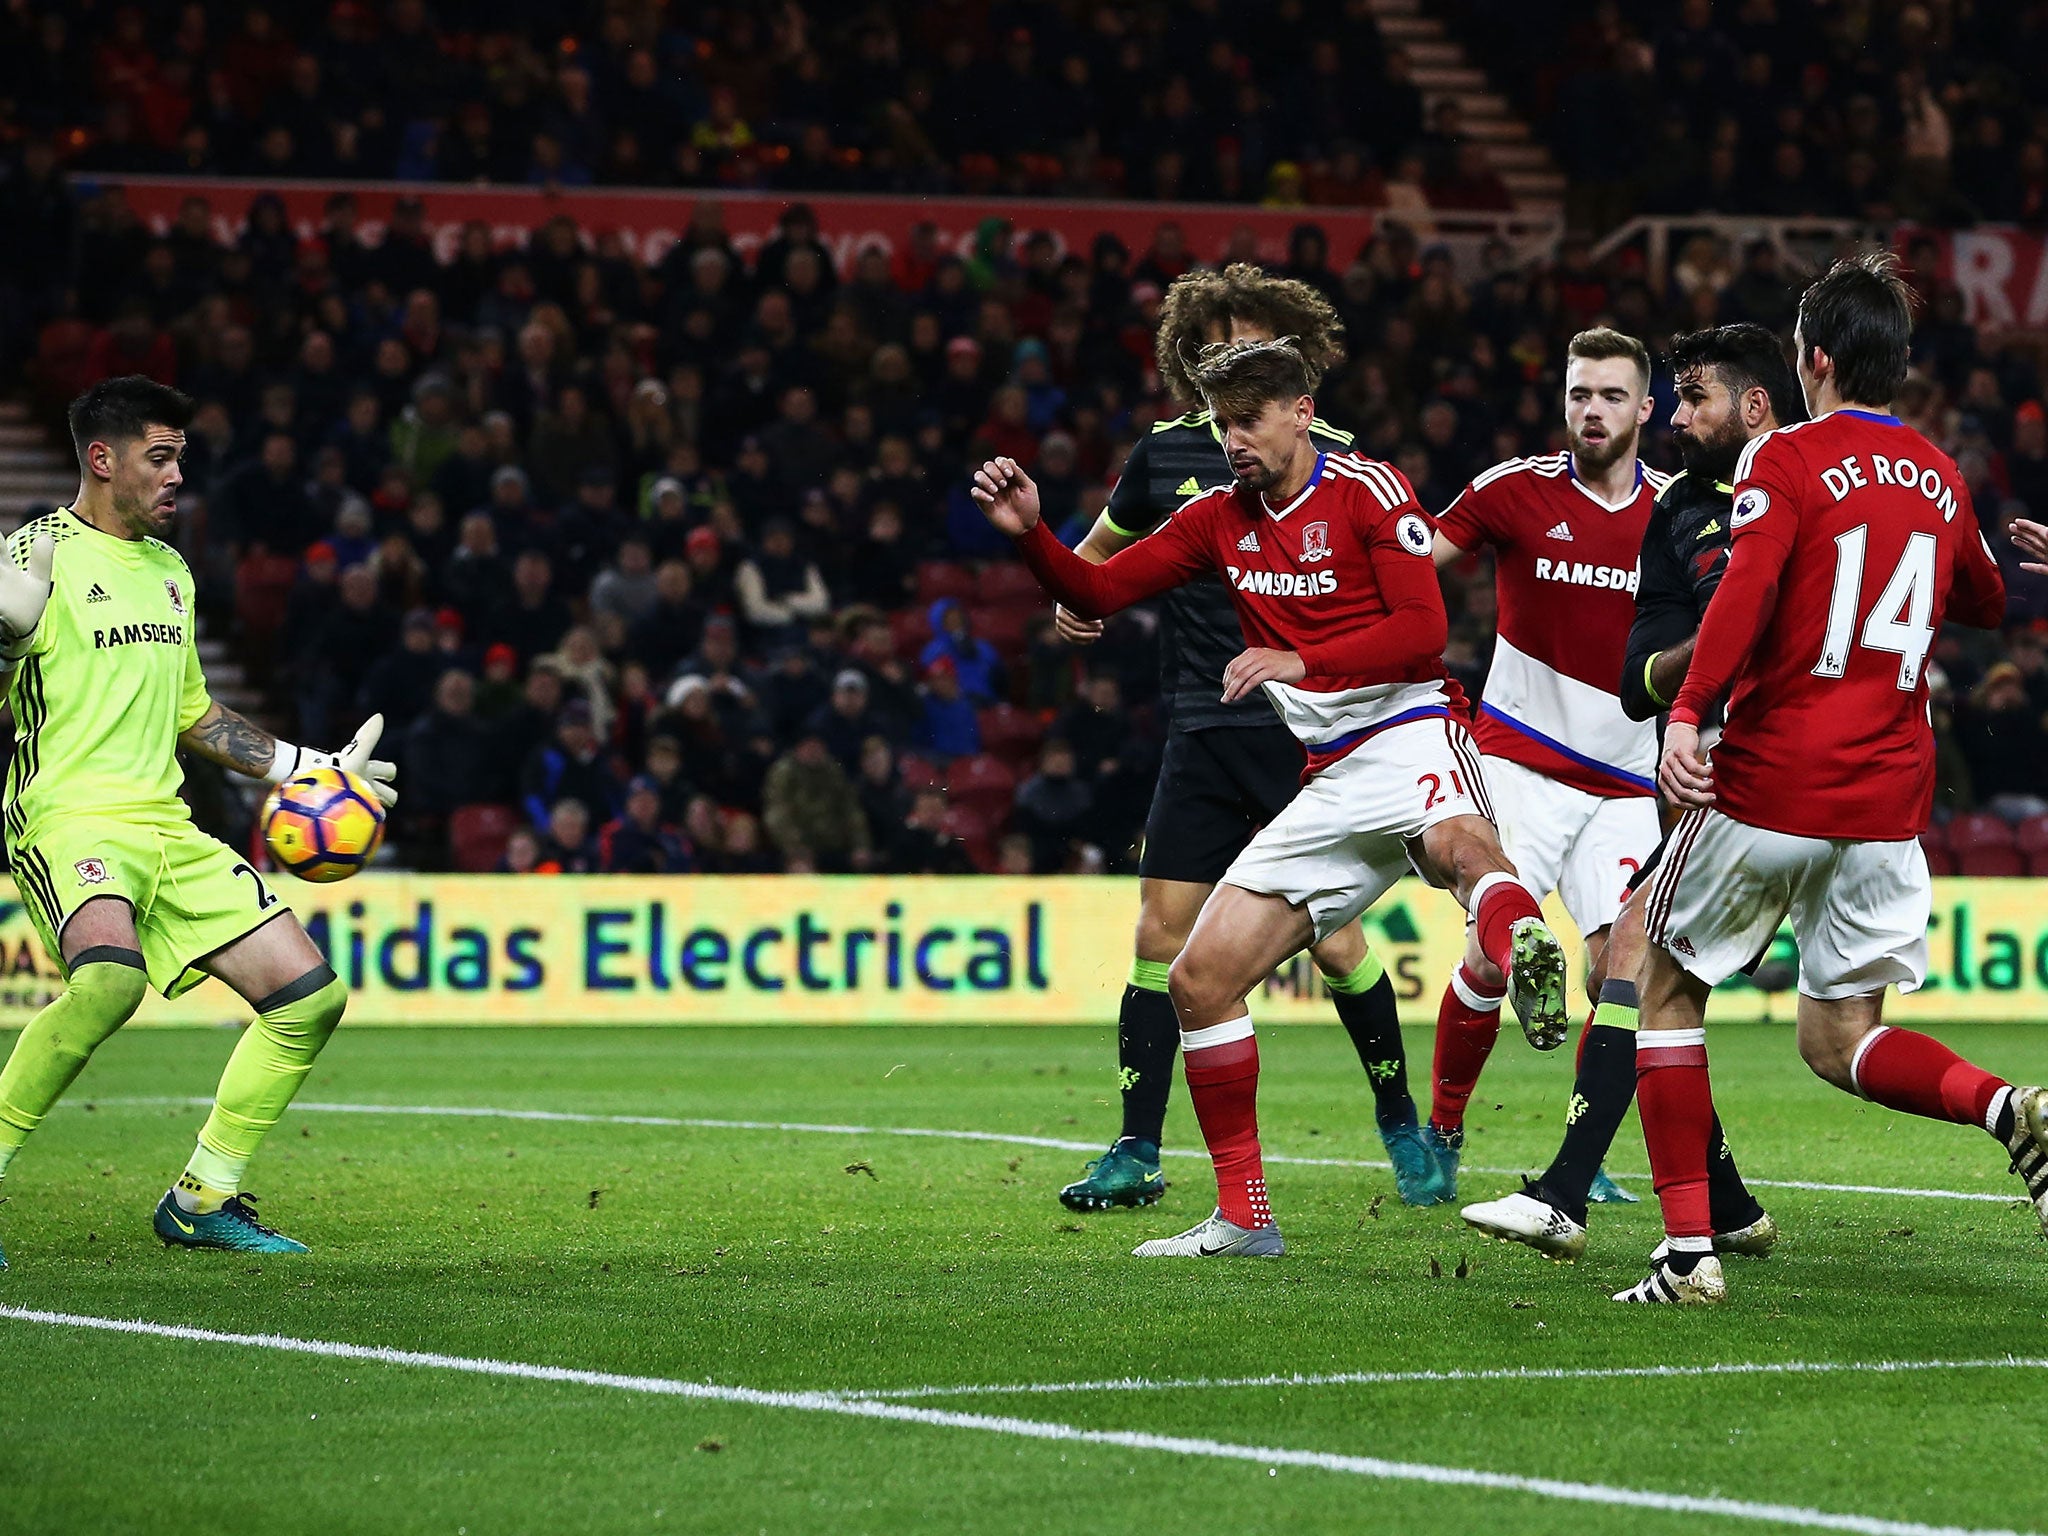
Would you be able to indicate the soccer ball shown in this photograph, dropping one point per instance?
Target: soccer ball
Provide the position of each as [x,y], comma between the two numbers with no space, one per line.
[323,825]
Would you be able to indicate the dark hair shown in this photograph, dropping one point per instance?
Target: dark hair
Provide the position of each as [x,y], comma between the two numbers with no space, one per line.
[1202,301]
[121,410]
[1860,312]
[1237,380]
[1601,343]
[1746,356]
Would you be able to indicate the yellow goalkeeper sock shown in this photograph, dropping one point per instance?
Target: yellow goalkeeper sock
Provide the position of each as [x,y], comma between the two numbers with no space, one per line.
[273,1057]
[106,987]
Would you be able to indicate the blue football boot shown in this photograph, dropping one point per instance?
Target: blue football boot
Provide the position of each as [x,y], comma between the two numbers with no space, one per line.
[233,1227]
[1418,1177]
[1604,1191]
[1127,1174]
[1447,1147]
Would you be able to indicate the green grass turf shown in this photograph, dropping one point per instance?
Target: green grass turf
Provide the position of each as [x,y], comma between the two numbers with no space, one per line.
[774,1259]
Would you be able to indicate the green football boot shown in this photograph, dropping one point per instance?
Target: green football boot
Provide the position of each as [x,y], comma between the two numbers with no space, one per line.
[1127,1174]
[1419,1179]
[1604,1191]
[1447,1148]
[234,1227]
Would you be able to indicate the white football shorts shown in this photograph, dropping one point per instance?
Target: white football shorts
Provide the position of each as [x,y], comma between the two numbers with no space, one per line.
[1343,841]
[1585,847]
[1859,910]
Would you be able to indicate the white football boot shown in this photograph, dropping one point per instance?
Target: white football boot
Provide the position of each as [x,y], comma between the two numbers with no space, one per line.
[1702,1288]
[1522,1218]
[1536,983]
[2029,1146]
[1215,1238]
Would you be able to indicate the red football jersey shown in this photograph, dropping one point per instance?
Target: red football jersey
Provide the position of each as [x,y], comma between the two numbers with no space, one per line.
[1565,580]
[1341,574]
[1854,540]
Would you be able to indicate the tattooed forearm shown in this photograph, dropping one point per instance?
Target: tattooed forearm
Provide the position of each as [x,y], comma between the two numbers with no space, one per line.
[222,736]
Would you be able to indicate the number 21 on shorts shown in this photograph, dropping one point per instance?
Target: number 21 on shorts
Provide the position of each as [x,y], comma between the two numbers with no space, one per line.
[1434,784]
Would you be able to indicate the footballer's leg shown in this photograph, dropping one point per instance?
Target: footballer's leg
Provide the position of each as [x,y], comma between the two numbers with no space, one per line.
[104,984]
[215,917]
[1463,855]
[1240,939]
[1366,1006]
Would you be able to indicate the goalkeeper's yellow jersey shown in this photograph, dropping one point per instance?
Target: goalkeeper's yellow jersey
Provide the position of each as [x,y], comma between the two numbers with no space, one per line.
[108,682]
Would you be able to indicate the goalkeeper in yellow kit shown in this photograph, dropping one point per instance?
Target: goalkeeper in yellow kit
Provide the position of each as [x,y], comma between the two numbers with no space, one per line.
[104,682]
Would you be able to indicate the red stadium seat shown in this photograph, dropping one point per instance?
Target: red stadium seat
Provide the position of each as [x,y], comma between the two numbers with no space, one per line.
[911,630]
[263,591]
[1939,861]
[984,784]
[1993,863]
[477,835]
[977,833]
[2031,836]
[942,578]
[1007,629]
[1010,584]
[1979,830]
[915,773]
[1935,835]
[1011,733]
[2037,865]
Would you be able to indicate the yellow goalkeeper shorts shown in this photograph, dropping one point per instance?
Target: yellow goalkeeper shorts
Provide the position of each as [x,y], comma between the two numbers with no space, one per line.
[192,894]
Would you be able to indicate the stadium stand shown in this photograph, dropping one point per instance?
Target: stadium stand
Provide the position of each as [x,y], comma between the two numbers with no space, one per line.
[656,505]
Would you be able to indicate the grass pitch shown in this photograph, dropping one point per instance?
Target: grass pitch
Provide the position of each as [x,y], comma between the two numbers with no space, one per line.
[853,1261]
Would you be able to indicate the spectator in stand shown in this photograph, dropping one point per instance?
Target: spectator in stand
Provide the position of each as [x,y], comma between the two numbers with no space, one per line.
[883,799]
[2003,740]
[571,767]
[665,770]
[401,683]
[523,854]
[536,616]
[779,590]
[445,755]
[673,625]
[977,667]
[811,809]
[1054,808]
[567,848]
[627,588]
[639,842]
[947,725]
[919,844]
[848,718]
[882,571]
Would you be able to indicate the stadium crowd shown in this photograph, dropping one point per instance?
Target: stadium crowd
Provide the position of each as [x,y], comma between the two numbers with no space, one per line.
[673,567]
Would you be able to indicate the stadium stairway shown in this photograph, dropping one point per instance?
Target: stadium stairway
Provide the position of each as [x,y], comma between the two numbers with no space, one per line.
[33,470]
[1442,69]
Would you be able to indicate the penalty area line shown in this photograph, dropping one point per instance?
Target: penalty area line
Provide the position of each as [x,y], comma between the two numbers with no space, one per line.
[1006,1138]
[1271,1457]
[1523,1373]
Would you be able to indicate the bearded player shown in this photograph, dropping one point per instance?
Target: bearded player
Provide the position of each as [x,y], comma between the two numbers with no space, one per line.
[1229,766]
[1733,385]
[96,618]
[1854,538]
[1327,557]
[1569,770]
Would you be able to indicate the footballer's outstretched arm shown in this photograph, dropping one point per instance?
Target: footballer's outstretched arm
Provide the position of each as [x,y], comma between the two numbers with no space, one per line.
[224,737]
[1168,558]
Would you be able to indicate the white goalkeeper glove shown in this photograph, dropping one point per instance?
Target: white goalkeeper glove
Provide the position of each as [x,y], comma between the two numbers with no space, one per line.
[354,758]
[24,594]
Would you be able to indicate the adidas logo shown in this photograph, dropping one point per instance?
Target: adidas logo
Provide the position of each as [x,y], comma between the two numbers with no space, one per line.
[96,594]
[1561,531]
[1713,527]
[1188,487]
[1250,542]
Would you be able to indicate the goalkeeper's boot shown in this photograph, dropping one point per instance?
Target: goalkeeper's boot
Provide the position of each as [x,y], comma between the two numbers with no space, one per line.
[234,1226]
[2029,1146]
[1127,1174]
[1701,1286]
[1446,1147]
[1419,1179]
[1215,1238]
[1604,1191]
[1526,1217]
[1536,983]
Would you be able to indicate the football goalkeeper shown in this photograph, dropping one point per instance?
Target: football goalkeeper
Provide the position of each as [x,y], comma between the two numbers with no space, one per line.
[96,631]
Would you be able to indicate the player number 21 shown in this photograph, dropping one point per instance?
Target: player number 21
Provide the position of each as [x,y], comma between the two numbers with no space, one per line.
[1436,789]
[1901,621]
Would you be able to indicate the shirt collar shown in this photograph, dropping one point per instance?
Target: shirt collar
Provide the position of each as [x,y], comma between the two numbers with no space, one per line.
[1314,479]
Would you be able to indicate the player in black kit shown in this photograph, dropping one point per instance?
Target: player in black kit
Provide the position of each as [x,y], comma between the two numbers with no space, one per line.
[1228,769]
[1733,385]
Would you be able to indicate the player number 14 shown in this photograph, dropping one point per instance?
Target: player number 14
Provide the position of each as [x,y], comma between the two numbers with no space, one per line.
[1901,622]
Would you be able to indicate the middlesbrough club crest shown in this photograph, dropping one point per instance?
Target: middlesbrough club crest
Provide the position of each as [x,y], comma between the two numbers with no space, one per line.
[177,599]
[1315,543]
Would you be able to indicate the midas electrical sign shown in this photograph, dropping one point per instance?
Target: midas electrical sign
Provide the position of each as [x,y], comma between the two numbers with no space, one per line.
[504,949]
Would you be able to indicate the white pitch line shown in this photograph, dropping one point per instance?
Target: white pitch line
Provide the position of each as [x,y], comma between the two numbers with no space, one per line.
[1524,1373]
[571,1117]
[1031,1429]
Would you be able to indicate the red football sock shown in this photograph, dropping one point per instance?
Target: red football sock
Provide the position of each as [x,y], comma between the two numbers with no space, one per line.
[1499,901]
[1918,1074]
[1677,1104]
[1586,1029]
[1222,1067]
[1467,1024]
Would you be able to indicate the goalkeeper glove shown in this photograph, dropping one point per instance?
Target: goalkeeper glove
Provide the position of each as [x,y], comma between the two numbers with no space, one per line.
[24,594]
[354,758]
